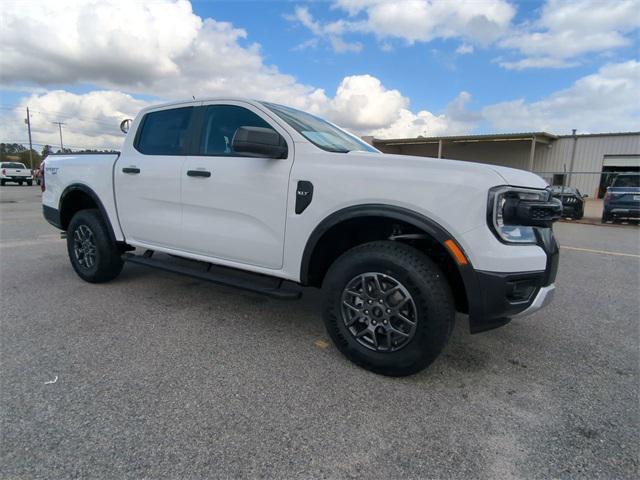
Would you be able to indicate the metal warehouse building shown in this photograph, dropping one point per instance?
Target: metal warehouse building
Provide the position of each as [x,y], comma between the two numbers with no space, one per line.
[582,161]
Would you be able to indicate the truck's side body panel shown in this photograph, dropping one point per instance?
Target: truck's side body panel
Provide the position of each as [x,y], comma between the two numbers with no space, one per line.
[93,171]
[238,212]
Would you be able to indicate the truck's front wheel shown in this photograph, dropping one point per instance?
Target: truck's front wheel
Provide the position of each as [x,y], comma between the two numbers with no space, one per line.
[388,308]
[94,257]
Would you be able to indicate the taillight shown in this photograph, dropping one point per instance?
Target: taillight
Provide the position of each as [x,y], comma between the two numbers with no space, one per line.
[607,196]
[4,171]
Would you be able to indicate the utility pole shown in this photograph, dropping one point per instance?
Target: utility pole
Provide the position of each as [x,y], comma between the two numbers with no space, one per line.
[28,122]
[60,127]
[573,156]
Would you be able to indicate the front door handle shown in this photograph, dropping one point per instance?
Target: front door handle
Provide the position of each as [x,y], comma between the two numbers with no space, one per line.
[130,170]
[198,173]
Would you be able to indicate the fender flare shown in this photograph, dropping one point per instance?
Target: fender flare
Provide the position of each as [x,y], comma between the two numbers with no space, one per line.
[439,233]
[74,187]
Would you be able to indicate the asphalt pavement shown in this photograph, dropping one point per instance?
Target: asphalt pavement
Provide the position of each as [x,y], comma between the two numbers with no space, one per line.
[156,375]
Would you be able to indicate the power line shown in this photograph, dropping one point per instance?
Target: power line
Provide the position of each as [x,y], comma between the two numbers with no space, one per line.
[68,116]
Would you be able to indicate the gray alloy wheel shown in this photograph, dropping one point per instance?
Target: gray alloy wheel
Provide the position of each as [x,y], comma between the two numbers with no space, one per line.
[84,246]
[94,255]
[379,312]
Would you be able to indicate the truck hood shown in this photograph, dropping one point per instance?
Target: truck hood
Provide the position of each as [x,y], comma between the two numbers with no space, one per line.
[502,175]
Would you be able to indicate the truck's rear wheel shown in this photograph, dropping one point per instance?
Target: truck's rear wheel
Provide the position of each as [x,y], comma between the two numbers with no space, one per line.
[388,308]
[94,257]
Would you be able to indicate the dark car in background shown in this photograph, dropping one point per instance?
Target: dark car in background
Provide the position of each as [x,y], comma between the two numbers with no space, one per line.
[572,201]
[622,199]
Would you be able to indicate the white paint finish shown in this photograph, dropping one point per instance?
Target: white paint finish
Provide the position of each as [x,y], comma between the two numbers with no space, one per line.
[487,253]
[239,212]
[231,220]
[149,203]
[92,171]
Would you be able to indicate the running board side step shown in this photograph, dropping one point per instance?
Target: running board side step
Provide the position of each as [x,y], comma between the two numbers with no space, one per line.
[252,285]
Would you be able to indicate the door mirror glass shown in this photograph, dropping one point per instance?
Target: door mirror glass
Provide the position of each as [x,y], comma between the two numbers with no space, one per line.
[125,125]
[259,142]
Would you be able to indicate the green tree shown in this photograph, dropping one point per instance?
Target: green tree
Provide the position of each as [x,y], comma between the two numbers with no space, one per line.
[46,150]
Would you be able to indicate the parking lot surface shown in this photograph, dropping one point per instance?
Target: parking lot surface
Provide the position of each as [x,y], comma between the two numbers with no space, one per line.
[155,375]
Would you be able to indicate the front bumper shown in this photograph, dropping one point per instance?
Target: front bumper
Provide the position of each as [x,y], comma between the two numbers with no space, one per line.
[541,300]
[498,297]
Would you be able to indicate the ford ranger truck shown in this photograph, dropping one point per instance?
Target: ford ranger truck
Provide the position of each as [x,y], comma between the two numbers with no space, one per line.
[397,243]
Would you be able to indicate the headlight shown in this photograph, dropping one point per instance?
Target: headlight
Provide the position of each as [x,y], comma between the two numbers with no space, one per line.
[513,212]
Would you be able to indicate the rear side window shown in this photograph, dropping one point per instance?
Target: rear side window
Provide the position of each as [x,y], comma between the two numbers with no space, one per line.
[164,132]
[220,124]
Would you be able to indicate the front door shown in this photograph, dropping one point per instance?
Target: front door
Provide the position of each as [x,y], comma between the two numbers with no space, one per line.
[147,179]
[234,206]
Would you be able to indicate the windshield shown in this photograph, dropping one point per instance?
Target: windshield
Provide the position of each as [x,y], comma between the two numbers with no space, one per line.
[12,165]
[627,181]
[320,132]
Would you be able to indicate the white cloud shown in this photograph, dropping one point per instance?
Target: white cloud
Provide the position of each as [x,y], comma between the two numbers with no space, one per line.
[332,32]
[464,49]
[605,101]
[365,106]
[91,120]
[160,48]
[362,103]
[423,20]
[567,30]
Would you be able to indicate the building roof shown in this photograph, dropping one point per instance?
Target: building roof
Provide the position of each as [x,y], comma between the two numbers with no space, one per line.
[495,137]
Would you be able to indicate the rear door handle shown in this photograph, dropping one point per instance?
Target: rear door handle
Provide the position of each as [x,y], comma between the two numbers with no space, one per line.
[198,173]
[130,170]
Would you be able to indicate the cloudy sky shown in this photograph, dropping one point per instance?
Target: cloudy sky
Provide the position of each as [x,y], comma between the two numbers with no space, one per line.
[384,68]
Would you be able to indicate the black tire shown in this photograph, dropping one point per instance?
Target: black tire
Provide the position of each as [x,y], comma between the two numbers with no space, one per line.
[106,262]
[430,294]
[20,182]
[2,182]
[30,183]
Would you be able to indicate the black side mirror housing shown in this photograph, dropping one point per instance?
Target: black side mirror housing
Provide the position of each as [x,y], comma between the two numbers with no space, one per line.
[259,142]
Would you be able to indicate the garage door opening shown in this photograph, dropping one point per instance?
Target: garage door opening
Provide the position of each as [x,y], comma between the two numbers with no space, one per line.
[613,165]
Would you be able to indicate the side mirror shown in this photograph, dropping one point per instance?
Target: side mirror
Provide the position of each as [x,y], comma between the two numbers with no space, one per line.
[125,125]
[259,142]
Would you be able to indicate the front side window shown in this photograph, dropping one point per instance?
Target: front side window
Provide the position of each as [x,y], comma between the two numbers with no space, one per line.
[320,132]
[164,132]
[220,124]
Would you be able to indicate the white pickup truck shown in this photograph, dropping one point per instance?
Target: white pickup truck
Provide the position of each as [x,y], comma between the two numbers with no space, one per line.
[398,243]
[15,172]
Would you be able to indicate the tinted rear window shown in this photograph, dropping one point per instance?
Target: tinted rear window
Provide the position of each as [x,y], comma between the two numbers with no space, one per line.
[12,165]
[627,181]
[164,132]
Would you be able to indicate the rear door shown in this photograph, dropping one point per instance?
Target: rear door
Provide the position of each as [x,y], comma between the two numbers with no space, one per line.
[234,206]
[147,178]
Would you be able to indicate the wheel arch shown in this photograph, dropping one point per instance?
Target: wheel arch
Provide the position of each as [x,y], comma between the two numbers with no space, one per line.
[343,224]
[77,197]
